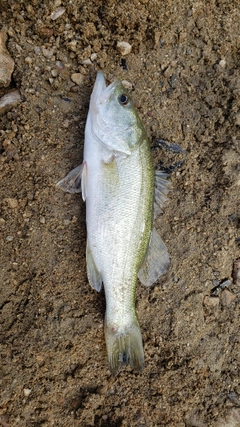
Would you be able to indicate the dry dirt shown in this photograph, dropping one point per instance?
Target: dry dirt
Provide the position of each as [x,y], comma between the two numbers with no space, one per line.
[184,69]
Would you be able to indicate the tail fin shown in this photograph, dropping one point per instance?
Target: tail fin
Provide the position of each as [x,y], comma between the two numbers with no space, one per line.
[124,347]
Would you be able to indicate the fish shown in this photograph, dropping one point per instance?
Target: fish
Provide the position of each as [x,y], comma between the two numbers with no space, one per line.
[123,195]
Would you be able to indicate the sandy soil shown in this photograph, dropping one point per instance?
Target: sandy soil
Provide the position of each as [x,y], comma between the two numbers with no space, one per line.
[184,69]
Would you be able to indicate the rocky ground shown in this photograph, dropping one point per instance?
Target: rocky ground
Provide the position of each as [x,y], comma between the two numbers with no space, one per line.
[184,72]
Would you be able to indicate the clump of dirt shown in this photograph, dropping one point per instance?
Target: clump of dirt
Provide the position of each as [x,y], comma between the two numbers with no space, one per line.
[183,68]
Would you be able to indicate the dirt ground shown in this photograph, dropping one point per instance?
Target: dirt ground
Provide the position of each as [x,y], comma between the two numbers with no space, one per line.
[184,72]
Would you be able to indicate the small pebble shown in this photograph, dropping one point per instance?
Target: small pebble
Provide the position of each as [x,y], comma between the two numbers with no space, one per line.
[124,48]
[42,220]
[44,31]
[8,101]
[6,62]
[9,238]
[57,13]
[211,301]
[57,3]
[77,78]
[54,72]
[60,66]
[86,61]
[28,60]
[73,45]
[26,392]
[74,89]
[173,81]
[12,203]
[37,50]
[47,52]
[227,297]
[234,398]
[66,123]
[127,85]
[93,56]
[168,72]
[222,63]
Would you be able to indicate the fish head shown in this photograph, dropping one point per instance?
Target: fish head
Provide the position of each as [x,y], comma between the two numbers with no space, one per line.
[114,120]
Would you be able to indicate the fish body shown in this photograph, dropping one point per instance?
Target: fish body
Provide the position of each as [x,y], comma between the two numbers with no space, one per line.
[118,184]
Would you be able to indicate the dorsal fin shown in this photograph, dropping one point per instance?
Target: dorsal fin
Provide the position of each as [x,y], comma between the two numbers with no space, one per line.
[161,190]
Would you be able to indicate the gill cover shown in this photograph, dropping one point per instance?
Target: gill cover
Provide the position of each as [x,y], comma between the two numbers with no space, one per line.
[113,119]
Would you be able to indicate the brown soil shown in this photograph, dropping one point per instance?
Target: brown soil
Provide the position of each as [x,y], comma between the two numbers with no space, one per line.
[184,70]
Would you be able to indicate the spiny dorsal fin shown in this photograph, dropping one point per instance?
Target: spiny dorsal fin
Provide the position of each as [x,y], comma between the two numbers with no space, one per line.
[161,190]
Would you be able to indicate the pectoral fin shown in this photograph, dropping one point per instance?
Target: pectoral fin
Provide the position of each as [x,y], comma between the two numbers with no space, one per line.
[161,190]
[75,181]
[156,261]
[93,274]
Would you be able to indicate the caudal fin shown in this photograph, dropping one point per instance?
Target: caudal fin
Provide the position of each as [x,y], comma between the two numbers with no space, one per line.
[124,347]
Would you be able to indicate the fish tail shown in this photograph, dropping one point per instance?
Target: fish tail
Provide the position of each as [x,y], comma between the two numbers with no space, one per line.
[124,347]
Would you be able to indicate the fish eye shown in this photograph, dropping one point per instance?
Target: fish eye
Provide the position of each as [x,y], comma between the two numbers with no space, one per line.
[123,99]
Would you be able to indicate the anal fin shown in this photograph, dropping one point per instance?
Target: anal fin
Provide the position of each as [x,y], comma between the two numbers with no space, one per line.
[156,261]
[93,274]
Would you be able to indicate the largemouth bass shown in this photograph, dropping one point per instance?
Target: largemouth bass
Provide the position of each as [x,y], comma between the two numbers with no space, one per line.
[122,194]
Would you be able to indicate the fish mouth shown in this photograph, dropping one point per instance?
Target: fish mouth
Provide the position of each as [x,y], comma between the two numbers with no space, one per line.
[101,92]
[99,85]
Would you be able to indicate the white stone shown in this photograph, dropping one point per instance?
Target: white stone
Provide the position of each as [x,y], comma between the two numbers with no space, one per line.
[77,78]
[57,13]
[26,392]
[127,85]
[124,48]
